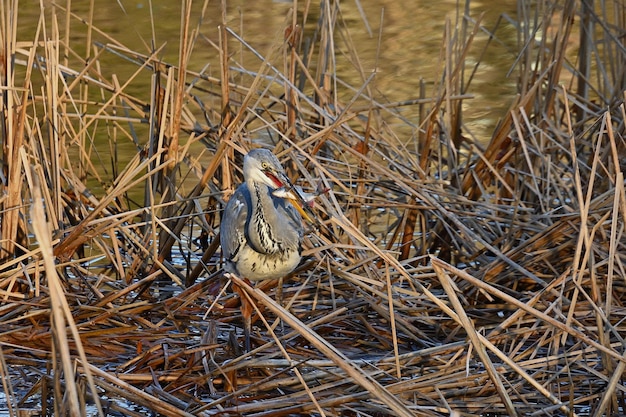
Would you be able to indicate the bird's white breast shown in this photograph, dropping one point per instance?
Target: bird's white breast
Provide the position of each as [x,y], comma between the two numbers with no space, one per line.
[256,267]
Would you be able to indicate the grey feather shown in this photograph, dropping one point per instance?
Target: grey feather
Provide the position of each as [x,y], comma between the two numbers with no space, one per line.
[261,234]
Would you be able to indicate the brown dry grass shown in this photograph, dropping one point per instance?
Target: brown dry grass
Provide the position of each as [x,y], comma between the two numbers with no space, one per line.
[445,278]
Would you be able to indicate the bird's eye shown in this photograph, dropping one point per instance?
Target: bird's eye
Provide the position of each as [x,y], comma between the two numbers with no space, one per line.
[265,165]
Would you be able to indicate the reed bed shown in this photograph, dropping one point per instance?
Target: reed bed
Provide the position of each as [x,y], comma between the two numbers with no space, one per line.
[444,276]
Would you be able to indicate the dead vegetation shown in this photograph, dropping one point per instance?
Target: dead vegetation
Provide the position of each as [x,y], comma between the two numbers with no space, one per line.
[445,277]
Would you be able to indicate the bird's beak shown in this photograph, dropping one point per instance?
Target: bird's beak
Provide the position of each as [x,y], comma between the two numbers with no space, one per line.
[277,178]
[288,191]
[303,204]
[302,210]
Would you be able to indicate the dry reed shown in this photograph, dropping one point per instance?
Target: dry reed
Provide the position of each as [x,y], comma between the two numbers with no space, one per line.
[445,277]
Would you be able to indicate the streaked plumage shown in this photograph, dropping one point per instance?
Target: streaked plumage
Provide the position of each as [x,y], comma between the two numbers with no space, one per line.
[260,232]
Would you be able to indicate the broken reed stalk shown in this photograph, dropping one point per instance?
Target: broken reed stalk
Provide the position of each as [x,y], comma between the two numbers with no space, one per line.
[61,315]
[13,133]
[329,351]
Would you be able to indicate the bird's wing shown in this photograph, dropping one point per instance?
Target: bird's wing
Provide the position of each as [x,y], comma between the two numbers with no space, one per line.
[233,223]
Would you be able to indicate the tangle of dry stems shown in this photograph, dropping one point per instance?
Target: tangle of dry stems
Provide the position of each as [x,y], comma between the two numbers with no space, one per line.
[445,277]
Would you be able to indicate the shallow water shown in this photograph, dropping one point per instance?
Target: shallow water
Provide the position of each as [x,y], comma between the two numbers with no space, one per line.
[410,48]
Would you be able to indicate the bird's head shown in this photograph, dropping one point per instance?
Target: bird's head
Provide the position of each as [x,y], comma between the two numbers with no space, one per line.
[262,166]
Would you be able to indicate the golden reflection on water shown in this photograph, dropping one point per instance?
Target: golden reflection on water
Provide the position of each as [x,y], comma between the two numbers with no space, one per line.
[410,48]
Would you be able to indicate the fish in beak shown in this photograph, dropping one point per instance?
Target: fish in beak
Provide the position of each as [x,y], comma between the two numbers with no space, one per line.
[303,202]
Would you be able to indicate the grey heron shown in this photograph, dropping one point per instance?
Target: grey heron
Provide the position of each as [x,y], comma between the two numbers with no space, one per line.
[261,230]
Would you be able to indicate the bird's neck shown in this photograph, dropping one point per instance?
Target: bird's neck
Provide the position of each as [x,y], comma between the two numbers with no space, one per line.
[261,233]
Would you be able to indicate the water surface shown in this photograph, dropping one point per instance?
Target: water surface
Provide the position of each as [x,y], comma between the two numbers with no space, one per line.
[402,40]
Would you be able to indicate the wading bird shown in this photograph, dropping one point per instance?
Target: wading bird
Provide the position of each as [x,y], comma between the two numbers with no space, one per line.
[261,228]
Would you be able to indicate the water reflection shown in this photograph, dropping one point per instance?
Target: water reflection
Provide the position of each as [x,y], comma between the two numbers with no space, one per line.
[410,48]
